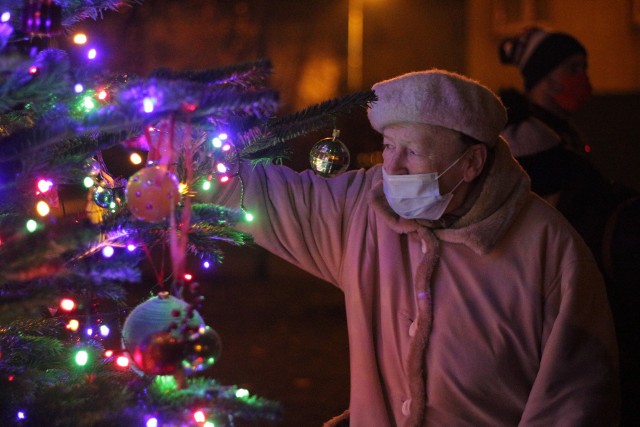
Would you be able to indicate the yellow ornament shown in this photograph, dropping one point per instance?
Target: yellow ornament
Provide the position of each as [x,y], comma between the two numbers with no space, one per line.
[152,193]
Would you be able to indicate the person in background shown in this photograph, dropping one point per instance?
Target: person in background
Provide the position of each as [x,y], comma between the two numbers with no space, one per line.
[469,300]
[556,85]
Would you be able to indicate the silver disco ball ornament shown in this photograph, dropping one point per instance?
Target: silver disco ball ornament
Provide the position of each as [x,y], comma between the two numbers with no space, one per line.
[103,197]
[329,156]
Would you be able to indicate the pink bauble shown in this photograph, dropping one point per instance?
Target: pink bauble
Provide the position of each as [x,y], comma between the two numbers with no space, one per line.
[152,192]
[148,331]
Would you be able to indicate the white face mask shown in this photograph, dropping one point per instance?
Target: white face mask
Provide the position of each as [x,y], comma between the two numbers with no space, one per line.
[417,196]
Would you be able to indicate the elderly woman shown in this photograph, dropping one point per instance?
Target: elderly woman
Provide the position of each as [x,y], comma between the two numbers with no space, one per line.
[470,301]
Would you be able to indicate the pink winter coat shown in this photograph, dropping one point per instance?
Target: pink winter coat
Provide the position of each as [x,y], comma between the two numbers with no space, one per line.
[499,320]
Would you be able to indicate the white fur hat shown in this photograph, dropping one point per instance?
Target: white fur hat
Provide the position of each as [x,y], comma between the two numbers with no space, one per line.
[531,136]
[441,98]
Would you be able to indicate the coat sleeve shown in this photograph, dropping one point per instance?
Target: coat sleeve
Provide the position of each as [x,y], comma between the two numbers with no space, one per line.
[300,217]
[577,383]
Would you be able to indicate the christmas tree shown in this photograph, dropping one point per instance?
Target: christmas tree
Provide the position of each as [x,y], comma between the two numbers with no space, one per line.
[72,351]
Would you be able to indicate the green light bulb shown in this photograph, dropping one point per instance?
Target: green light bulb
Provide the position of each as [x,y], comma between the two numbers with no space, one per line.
[88,103]
[82,357]
[87,182]
[31,226]
[242,392]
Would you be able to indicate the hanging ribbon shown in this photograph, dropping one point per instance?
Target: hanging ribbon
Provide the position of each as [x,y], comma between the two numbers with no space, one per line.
[179,233]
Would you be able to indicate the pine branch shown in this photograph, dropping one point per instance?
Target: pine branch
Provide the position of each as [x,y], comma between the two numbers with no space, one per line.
[29,352]
[26,256]
[102,282]
[62,163]
[73,397]
[34,327]
[203,392]
[204,240]
[263,141]
[74,11]
[188,101]
[215,214]
[128,113]
[36,91]
[247,75]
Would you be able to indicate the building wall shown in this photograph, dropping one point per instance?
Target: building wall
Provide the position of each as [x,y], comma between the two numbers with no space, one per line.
[307,43]
[605,27]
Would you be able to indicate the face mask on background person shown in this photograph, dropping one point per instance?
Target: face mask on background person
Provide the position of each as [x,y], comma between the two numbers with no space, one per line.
[574,91]
[417,196]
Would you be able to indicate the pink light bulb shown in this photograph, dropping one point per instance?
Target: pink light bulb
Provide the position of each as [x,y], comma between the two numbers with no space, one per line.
[44,185]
